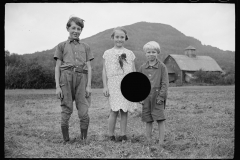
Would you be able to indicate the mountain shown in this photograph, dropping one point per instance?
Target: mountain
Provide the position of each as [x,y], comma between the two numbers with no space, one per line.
[170,39]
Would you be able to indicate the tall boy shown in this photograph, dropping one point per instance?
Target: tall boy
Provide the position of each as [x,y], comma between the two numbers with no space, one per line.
[154,104]
[72,84]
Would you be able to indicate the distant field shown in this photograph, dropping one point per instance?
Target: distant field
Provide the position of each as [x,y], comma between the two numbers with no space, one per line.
[99,90]
[200,124]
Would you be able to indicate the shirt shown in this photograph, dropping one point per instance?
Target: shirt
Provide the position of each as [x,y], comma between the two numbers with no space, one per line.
[157,75]
[73,53]
[112,64]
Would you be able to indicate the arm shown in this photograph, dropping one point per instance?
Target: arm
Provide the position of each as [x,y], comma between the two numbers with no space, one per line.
[104,78]
[88,88]
[89,74]
[89,58]
[164,83]
[133,63]
[57,77]
[140,70]
[133,67]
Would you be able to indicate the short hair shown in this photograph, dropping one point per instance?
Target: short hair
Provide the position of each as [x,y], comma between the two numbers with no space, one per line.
[152,45]
[121,29]
[77,20]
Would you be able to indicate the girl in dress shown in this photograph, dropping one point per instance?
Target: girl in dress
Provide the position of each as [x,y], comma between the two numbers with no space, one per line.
[117,62]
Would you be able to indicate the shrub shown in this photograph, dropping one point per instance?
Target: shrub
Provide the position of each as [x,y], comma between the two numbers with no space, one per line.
[214,78]
[29,76]
[229,79]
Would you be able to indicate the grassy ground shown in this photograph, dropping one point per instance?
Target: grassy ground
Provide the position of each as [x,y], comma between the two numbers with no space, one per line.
[200,124]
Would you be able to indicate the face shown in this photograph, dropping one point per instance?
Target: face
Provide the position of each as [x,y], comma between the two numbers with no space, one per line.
[119,38]
[74,30]
[151,54]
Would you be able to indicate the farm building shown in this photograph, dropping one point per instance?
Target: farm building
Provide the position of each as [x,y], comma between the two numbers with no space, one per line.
[181,67]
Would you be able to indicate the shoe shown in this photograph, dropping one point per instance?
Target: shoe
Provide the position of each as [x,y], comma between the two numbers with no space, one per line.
[65,134]
[83,135]
[122,138]
[147,142]
[112,138]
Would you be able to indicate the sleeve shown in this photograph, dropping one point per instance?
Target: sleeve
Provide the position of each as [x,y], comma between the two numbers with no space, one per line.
[89,53]
[132,56]
[59,52]
[164,83]
[104,55]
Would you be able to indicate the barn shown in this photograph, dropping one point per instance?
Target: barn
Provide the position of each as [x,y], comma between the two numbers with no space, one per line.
[181,67]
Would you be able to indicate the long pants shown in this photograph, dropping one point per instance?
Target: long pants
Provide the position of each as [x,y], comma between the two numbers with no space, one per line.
[73,87]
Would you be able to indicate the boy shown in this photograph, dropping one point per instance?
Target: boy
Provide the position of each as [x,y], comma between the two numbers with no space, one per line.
[154,104]
[72,84]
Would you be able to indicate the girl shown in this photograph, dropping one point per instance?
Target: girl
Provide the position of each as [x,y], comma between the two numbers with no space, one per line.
[117,62]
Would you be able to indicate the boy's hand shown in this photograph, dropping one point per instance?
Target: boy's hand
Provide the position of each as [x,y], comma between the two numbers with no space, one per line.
[88,91]
[59,93]
[106,92]
[159,100]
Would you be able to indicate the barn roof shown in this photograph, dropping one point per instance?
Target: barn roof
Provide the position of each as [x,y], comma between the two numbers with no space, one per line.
[190,47]
[205,63]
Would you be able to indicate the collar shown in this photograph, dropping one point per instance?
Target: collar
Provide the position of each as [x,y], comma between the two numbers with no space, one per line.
[73,40]
[154,66]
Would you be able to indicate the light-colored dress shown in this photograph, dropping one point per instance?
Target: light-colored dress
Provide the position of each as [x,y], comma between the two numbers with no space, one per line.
[115,74]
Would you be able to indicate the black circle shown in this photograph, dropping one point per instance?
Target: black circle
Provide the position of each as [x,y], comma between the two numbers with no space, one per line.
[135,86]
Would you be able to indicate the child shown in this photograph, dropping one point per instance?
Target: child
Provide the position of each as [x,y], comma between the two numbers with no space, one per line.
[73,58]
[117,62]
[154,104]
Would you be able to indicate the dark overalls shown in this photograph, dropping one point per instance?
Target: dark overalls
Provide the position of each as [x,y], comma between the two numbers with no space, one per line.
[73,81]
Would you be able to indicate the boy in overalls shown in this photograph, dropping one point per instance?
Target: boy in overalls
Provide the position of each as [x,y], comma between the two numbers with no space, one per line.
[154,105]
[72,84]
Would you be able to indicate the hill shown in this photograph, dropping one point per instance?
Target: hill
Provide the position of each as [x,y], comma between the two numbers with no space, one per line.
[170,39]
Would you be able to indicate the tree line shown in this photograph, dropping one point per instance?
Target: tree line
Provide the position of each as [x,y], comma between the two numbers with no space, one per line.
[32,73]
[36,72]
[22,73]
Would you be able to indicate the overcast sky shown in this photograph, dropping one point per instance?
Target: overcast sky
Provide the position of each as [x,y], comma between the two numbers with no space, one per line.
[31,27]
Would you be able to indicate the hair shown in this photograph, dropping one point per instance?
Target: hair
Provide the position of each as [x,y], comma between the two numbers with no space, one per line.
[121,29]
[77,20]
[152,45]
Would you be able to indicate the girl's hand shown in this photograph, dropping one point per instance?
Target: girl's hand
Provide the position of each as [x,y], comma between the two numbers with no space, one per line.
[141,102]
[59,93]
[88,91]
[106,92]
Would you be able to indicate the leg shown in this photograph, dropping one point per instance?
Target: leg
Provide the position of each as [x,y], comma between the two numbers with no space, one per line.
[161,129]
[123,122]
[147,117]
[66,104]
[82,104]
[112,122]
[149,126]
[159,116]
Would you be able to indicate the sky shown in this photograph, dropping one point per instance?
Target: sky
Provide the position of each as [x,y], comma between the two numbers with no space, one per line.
[32,27]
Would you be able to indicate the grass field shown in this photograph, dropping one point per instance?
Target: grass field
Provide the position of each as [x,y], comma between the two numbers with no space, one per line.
[200,124]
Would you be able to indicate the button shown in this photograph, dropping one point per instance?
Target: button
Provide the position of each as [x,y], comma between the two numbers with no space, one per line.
[150,75]
[75,52]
